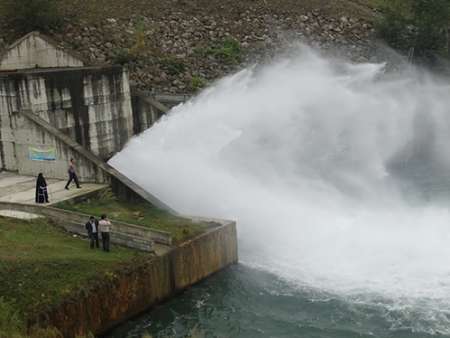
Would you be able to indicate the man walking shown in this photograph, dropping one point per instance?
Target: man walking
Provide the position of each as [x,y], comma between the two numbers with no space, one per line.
[105,226]
[92,229]
[72,175]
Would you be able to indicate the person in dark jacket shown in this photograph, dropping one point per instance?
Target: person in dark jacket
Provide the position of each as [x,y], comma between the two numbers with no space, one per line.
[41,189]
[72,175]
[92,230]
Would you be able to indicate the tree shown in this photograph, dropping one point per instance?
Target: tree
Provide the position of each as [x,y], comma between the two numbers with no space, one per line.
[418,24]
[25,16]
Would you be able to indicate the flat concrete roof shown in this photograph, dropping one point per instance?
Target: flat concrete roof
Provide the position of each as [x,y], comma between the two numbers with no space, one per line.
[5,73]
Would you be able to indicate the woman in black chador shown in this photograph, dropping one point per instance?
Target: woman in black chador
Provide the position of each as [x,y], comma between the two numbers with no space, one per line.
[41,189]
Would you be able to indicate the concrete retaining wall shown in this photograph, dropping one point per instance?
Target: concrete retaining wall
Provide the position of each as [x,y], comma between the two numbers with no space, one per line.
[138,288]
[130,235]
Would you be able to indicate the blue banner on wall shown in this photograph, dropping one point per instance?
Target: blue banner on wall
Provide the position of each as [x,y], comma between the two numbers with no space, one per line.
[42,153]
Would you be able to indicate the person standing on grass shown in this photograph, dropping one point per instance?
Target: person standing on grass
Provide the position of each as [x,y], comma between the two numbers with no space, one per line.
[41,189]
[72,175]
[105,226]
[92,230]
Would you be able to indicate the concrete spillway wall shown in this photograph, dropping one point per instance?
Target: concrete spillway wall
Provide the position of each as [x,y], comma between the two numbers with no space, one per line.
[138,288]
[92,105]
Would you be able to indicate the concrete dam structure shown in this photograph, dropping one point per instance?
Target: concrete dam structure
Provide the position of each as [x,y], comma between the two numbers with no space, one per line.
[54,107]
[90,104]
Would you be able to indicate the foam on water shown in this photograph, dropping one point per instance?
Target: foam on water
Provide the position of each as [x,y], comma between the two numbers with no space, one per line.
[336,174]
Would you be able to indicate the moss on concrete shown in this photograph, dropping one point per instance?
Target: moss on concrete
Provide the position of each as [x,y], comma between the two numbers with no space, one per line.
[139,213]
[40,265]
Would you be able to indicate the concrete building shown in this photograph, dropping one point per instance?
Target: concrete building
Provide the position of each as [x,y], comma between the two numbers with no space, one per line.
[36,50]
[91,105]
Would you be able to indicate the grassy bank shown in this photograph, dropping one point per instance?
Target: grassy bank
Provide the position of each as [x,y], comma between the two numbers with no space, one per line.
[143,214]
[40,265]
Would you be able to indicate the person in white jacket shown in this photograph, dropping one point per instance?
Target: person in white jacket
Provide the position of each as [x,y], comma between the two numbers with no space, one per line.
[105,227]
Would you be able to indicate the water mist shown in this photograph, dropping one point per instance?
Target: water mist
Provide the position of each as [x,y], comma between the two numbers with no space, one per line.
[336,174]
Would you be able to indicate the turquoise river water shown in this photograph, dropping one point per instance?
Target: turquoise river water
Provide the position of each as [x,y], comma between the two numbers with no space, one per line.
[247,303]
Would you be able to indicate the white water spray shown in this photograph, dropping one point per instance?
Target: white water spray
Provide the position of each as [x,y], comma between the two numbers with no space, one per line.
[330,170]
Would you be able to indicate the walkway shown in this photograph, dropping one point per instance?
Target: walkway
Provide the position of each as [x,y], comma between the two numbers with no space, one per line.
[22,189]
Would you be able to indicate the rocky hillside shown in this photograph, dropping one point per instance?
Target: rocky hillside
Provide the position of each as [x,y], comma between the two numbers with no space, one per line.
[178,46]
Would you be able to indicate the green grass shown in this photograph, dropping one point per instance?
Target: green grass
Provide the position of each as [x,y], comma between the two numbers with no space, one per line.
[228,51]
[143,214]
[197,82]
[172,65]
[40,264]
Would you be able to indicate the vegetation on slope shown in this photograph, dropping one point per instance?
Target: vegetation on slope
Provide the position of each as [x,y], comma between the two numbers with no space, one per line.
[26,16]
[418,26]
[138,213]
[182,45]
[41,265]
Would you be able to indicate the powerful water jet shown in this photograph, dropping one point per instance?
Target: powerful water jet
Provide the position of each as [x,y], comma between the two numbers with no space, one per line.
[336,173]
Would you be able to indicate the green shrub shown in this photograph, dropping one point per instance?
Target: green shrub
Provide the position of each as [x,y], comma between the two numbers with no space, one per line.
[228,51]
[173,66]
[431,19]
[393,25]
[139,43]
[50,332]
[25,16]
[122,56]
[11,325]
[418,24]
[197,83]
